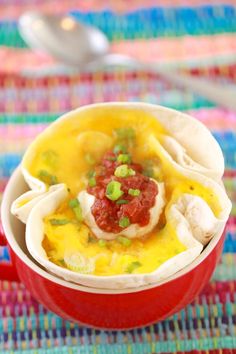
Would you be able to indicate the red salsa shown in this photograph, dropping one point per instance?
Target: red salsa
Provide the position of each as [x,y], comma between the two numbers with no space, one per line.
[138,194]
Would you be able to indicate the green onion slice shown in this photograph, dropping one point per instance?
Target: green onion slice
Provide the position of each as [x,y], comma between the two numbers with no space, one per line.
[124,222]
[102,243]
[124,241]
[75,206]
[124,158]
[126,133]
[59,222]
[122,201]
[134,192]
[47,178]
[132,266]
[92,182]
[148,169]
[79,263]
[113,190]
[91,239]
[119,148]
[73,203]
[91,173]
[78,213]
[111,158]
[61,262]
[124,171]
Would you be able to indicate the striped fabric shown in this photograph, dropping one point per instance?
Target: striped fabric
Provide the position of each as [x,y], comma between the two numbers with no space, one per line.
[174,30]
[146,23]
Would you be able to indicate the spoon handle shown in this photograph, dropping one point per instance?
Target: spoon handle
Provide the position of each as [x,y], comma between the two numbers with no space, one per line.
[222,95]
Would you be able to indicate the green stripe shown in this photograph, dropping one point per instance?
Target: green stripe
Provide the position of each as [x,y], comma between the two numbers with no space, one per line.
[28,118]
[138,348]
[122,30]
[39,323]
[226,271]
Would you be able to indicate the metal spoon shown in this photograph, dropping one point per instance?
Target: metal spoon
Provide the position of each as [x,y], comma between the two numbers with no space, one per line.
[87,48]
[64,38]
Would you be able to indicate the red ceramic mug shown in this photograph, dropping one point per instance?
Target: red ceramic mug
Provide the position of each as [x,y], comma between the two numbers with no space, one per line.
[107,309]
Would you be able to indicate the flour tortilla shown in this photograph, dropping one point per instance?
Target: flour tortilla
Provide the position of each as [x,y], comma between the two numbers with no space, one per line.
[183,222]
[189,147]
[197,141]
[202,213]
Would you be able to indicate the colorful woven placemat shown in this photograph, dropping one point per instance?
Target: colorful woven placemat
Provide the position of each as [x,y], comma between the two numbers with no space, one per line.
[173,30]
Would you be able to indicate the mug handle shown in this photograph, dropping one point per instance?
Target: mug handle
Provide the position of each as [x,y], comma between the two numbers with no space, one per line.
[7,269]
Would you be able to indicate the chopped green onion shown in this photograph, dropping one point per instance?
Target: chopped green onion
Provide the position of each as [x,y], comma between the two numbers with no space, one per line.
[91,173]
[113,191]
[50,157]
[78,213]
[124,171]
[89,159]
[119,148]
[122,201]
[91,239]
[47,178]
[102,243]
[61,262]
[134,192]
[79,263]
[148,173]
[111,158]
[148,169]
[124,241]
[132,266]
[73,203]
[92,182]
[124,158]
[124,222]
[59,221]
[125,133]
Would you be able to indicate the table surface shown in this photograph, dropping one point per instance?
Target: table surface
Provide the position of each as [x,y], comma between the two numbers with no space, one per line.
[35,90]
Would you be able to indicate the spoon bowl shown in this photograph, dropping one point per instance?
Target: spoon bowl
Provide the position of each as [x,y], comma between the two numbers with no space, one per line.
[63,37]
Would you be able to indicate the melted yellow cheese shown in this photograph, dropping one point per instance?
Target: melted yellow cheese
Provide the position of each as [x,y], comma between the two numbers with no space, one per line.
[64,139]
[113,258]
[70,141]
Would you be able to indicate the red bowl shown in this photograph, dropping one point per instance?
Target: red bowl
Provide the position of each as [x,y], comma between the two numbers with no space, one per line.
[107,309]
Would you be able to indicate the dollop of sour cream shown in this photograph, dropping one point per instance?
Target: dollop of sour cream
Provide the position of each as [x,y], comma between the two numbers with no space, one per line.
[132,231]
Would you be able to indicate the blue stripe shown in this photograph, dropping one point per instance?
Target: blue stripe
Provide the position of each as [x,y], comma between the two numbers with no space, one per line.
[8,163]
[163,21]
[146,22]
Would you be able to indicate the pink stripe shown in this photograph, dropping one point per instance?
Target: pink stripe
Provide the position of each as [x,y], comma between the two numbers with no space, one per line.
[223,289]
[171,49]
[214,292]
[3,183]
[151,50]
[216,118]
[20,132]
